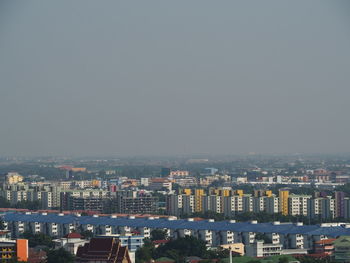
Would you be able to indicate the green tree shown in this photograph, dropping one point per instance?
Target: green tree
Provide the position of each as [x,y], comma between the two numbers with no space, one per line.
[39,239]
[187,246]
[4,203]
[219,253]
[175,187]
[283,260]
[59,256]
[210,215]
[87,234]
[145,253]
[264,237]
[2,225]
[309,259]
[158,234]
[32,205]
[176,255]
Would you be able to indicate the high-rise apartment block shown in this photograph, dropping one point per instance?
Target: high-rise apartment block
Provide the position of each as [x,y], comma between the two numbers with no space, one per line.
[231,202]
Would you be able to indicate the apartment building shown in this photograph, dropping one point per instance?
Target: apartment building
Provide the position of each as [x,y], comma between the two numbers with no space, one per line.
[90,203]
[49,196]
[11,250]
[83,199]
[136,202]
[283,202]
[289,235]
[213,203]
[260,249]
[298,205]
[232,202]
[321,208]
[179,173]
[159,184]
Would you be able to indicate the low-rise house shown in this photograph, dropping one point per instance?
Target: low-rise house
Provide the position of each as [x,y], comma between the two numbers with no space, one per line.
[70,242]
[324,246]
[260,249]
[235,248]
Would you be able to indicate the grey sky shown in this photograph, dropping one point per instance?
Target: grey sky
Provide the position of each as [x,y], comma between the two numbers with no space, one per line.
[174,77]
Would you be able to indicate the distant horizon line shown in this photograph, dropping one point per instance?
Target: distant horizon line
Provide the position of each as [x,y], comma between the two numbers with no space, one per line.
[177,156]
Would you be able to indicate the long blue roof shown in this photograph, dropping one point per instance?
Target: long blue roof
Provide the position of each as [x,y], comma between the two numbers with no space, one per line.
[283,228]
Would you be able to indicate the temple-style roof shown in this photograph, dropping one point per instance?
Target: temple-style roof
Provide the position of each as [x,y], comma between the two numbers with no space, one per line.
[104,250]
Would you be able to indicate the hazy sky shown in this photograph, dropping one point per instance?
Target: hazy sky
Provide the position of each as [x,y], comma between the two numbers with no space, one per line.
[174,77]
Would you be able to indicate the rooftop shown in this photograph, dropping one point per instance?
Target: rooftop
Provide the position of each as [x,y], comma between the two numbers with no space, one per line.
[325,241]
[73,235]
[288,228]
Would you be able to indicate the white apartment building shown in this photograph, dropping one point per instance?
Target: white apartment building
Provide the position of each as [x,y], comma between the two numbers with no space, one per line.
[298,204]
[290,236]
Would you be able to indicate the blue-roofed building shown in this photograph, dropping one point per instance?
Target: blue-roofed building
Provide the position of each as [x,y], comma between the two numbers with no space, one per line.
[291,236]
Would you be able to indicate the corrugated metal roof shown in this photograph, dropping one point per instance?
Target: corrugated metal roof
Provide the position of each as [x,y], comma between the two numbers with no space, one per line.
[288,228]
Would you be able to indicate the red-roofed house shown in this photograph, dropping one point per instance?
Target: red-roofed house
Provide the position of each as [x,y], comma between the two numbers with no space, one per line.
[70,242]
[74,235]
[324,246]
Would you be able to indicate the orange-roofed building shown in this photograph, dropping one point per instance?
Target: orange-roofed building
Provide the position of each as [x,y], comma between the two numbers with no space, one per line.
[324,246]
[78,169]
[96,183]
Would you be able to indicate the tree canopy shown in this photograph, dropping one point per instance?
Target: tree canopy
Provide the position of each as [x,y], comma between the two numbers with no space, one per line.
[158,234]
[39,239]
[176,249]
[59,256]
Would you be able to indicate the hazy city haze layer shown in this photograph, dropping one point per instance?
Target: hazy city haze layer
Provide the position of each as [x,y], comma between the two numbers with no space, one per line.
[181,77]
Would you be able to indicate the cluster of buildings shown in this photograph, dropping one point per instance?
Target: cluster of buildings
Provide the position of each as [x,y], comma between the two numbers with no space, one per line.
[83,195]
[106,248]
[296,176]
[231,202]
[118,237]
[101,249]
[183,178]
[108,196]
[48,195]
[279,238]
[13,248]
[121,236]
[18,250]
[122,201]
